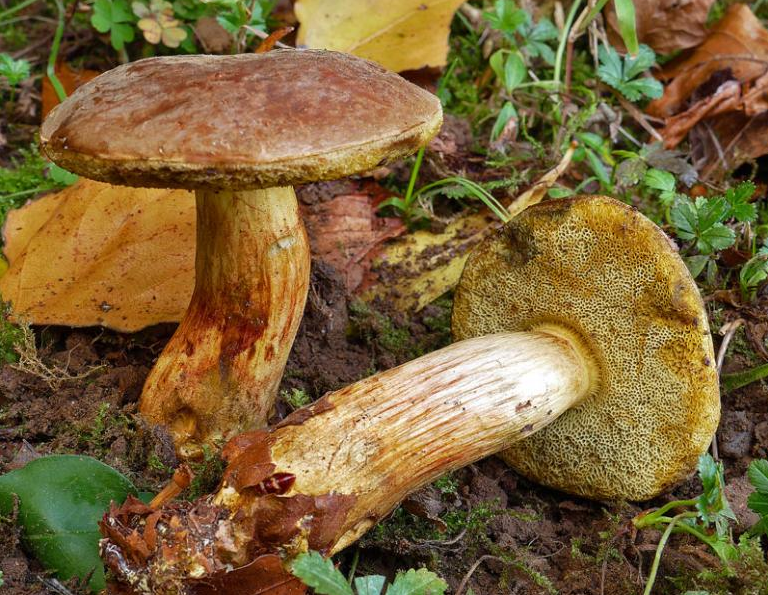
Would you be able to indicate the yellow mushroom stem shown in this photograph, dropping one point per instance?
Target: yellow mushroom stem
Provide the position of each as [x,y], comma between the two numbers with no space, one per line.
[331,470]
[219,373]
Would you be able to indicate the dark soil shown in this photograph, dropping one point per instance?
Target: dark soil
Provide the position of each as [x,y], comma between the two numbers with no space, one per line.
[510,535]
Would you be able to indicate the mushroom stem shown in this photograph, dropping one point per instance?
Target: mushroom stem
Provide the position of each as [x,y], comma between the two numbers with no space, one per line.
[330,471]
[219,373]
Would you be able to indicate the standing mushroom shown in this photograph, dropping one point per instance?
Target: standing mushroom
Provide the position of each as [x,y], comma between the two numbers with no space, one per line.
[240,131]
[600,354]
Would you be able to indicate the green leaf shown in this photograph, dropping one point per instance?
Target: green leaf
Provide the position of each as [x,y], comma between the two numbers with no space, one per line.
[61,500]
[610,70]
[320,574]
[712,506]
[642,61]
[630,171]
[757,472]
[369,585]
[625,15]
[715,238]
[62,176]
[759,503]
[642,87]
[507,112]
[514,72]
[115,17]
[696,264]
[598,168]
[659,180]
[14,71]
[621,73]
[738,201]
[418,582]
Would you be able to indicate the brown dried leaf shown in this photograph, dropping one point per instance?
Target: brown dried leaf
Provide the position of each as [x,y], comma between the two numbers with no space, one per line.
[100,254]
[345,230]
[665,25]
[739,42]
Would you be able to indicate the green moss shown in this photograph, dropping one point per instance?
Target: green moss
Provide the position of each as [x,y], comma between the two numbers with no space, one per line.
[207,474]
[296,398]
[748,575]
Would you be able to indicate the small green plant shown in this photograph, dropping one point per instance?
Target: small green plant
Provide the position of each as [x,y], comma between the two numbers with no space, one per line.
[706,518]
[296,398]
[408,206]
[14,72]
[626,74]
[116,18]
[757,472]
[320,574]
[206,474]
[703,223]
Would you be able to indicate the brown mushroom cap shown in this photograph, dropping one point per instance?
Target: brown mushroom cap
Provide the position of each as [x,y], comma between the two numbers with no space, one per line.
[599,268]
[248,121]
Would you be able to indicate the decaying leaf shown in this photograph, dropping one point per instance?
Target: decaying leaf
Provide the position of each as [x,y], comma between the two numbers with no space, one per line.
[100,254]
[69,79]
[665,25]
[96,254]
[345,230]
[400,34]
[719,94]
[738,43]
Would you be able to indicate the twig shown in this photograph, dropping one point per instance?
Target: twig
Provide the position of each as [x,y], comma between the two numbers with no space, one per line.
[728,330]
[471,571]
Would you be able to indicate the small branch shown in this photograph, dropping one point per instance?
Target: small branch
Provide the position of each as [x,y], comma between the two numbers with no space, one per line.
[465,580]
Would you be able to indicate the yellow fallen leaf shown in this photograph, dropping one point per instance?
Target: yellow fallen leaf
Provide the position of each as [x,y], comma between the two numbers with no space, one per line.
[399,34]
[95,254]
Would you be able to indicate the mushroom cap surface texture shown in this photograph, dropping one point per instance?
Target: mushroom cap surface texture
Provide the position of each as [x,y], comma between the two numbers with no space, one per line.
[599,268]
[248,121]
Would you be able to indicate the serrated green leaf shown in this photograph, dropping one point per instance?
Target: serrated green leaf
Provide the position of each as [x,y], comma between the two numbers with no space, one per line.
[418,582]
[639,63]
[320,574]
[684,219]
[610,70]
[659,180]
[14,71]
[715,238]
[760,528]
[61,500]
[757,472]
[641,87]
[630,171]
[738,201]
[711,210]
[369,585]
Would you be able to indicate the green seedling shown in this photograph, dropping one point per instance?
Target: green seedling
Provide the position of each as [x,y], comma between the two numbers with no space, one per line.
[320,574]
[14,72]
[627,74]
[296,398]
[408,207]
[707,518]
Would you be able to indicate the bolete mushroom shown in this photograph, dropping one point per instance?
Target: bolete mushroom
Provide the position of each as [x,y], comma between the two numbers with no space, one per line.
[240,131]
[597,376]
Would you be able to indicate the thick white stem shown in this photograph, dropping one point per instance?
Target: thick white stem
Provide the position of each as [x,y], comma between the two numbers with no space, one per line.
[387,435]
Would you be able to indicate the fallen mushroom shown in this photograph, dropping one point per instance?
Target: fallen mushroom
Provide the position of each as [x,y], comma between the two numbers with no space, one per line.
[599,373]
[240,131]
